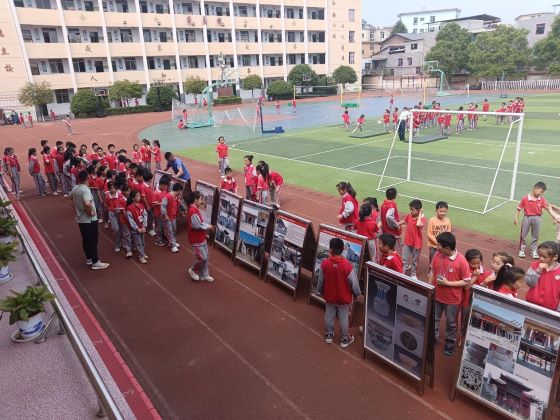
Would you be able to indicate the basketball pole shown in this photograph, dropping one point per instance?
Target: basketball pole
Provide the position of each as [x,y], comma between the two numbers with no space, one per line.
[410,137]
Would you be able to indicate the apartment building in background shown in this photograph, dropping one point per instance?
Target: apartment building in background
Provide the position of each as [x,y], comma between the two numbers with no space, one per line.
[75,44]
[372,37]
[423,20]
[538,25]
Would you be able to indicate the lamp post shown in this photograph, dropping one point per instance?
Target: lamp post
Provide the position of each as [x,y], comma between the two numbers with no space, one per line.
[158,83]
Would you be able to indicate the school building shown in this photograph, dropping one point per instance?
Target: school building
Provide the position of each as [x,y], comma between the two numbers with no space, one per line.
[76,44]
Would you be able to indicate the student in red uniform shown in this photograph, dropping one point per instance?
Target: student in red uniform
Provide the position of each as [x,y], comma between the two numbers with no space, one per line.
[470,117]
[277,106]
[111,158]
[30,119]
[338,284]
[387,120]
[275,181]
[228,182]
[262,183]
[223,155]
[49,163]
[449,273]
[204,103]
[22,120]
[148,196]
[478,275]
[360,124]
[390,221]
[395,119]
[146,154]
[294,104]
[349,210]
[414,222]
[93,184]
[367,226]
[101,186]
[136,157]
[388,257]
[59,160]
[12,168]
[447,124]
[197,229]
[532,205]
[113,199]
[543,278]
[35,172]
[169,208]
[137,221]
[509,280]
[346,119]
[181,125]
[485,107]
[160,191]
[250,178]
[53,115]
[460,122]
[156,151]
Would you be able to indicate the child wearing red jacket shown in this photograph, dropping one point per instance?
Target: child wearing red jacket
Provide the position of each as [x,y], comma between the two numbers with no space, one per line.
[136,157]
[414,222]
[35,172]
[228,182]
[12,168]
[169,208]
[348,212]
[146,154]
[137,222]
[197,237]
[49,163]
[275,180]
[250,178]
[124,230]
[367,226]
[478,276]
[223,155]
[388,257]
[338,284]
[390,221]
[543,278]
[114,199]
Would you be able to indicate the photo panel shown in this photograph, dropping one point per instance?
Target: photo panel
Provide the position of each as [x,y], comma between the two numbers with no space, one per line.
[208,193]
[253,230]
[227,220]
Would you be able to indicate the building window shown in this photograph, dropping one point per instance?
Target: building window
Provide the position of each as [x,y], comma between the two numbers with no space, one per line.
[351,15]
[18,3]
[68,4]
[43,4]
[62,96]
[291,59]
[246,60]
[414,46]
[540,29]
[432,19]
[56,66]
[351,35]
[418,70]
[192,62]
[400,62]
[431,29]
[409,61]
[79,65]
[27,37]
[414,30]
[34,69]
[130,63]
[422,30]
[351,58]
[382,35]
[415,21]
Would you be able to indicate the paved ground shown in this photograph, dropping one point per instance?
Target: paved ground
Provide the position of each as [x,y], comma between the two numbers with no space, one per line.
[238,347]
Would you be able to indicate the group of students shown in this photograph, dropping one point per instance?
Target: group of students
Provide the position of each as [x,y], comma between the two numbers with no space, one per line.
[451,272]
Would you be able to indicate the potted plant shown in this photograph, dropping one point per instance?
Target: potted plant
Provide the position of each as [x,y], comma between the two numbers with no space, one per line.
[8,231]
[7,254]
[26,311]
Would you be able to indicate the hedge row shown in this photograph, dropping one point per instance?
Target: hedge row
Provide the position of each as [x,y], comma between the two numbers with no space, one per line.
[130,110]
[224,100]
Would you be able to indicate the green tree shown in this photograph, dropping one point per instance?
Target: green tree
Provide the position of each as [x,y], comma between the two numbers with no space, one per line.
[399,28]
[166,94]
[194,85]
[85,103]
[345,74]
[296,75]
[125,90]
[36,94]
[546,52]
[252,82]
[451,49]
[503,51]
[280,89]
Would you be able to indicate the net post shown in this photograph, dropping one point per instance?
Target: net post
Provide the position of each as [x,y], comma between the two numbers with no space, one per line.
[386,162]
[410,137]
[516,159]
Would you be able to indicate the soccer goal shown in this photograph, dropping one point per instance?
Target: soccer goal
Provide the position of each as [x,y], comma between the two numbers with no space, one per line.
[197,115]
[473,167]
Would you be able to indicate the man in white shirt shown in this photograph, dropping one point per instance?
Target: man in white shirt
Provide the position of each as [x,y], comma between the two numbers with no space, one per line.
[405,114]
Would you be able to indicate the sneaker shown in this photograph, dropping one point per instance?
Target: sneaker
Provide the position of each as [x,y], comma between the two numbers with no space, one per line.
[177,244]
[98,220]
[449,349]
[65,195]
[346,341]
[159,243]
[521,254]
[99,265]
[193,275]
[117,249]
[146,257]
[535,255]
[329,338]
[174,249]
[89,262]
[143,260]
[55,193]
[361,328]
[152,233]
[209,279]
[106,225]
[129,254]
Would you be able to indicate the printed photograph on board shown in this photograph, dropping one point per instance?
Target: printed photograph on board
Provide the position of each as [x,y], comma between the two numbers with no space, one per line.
[470,377]
[497,323]
[252,232]
[226,225]
[207,193]
[538,348]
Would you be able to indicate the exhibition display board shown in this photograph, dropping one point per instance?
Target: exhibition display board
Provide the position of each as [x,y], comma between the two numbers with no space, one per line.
[157,176]
[210,194]
[293,241]
[399,322]
[509,356]
[227,221]
[354,248]
[254,229]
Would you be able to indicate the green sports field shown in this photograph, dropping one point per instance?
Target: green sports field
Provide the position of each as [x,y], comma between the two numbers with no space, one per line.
[460,170]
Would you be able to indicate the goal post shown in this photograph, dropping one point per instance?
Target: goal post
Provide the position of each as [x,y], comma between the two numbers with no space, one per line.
[475,170]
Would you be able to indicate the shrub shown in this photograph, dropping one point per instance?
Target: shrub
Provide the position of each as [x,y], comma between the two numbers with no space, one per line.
[130,110]
[167,94]
[85,102]
[280,89]
[224,100]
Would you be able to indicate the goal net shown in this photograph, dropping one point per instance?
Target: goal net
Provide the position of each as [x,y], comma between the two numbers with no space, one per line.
[469,159]
[196,114]
[249,115]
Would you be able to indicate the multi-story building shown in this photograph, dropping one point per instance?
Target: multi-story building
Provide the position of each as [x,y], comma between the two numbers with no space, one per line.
[474,24]
[76,44]
[372,37]
[538,25]
[419,22]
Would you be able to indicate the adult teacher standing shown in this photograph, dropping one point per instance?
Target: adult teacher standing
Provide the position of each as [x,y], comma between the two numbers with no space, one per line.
[179,170]
[87,220]
[405,115]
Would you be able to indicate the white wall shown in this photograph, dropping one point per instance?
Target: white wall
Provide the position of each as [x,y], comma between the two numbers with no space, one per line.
[424,18]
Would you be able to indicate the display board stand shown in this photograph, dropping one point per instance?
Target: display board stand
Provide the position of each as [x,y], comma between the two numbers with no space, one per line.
[210,209]
[509,356]
[399,323]
[227,221]
[158,174]
[293,244]
[354,248]
[256,222]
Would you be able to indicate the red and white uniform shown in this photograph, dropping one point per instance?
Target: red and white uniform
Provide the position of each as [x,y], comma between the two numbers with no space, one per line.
[146,154]
[48,163]
[34,166]
[453,268]
[348,209]
[229,184]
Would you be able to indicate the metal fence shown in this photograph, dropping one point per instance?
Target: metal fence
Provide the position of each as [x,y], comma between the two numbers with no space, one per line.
[549,84]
